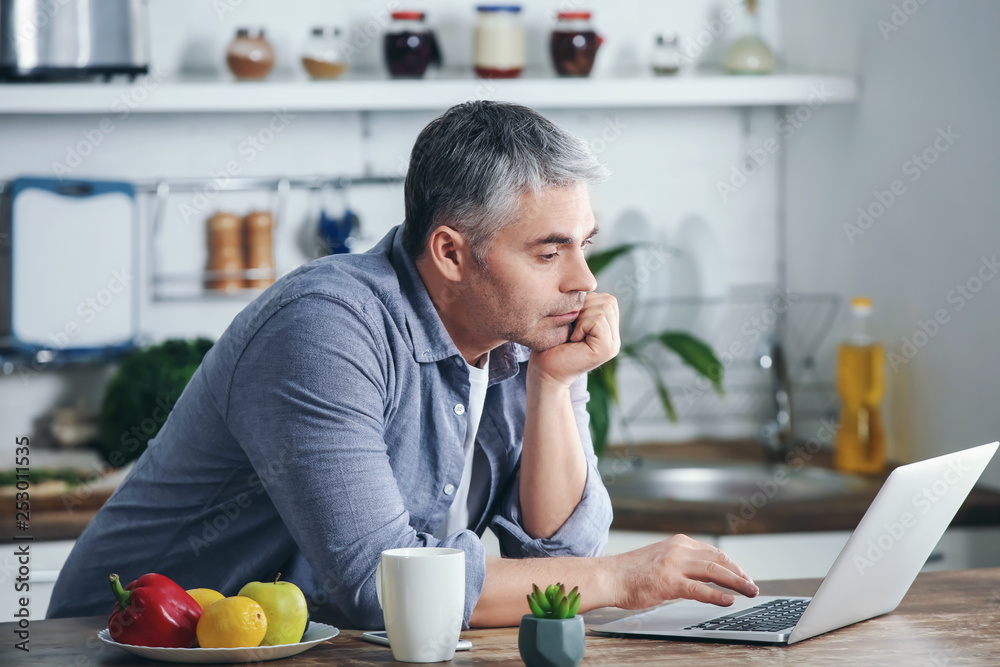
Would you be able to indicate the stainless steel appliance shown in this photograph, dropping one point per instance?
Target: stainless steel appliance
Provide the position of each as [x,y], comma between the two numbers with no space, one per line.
[59,40]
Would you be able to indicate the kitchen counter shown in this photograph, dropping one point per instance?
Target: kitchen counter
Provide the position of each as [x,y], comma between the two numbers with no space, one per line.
[836,512]
[946,618]
[65,517]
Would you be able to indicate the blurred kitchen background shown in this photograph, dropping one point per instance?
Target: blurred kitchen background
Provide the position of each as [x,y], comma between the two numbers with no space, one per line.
[863,164]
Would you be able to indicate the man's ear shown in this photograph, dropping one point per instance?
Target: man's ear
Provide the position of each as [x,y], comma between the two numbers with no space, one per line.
[449,252]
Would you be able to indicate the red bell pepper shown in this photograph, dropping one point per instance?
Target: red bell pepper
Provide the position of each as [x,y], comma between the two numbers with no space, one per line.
[153,611]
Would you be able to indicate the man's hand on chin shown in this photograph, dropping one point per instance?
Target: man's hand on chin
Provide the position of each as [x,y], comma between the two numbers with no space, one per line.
[594,340]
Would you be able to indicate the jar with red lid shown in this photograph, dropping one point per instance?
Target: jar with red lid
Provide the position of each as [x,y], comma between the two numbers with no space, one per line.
[574,44]
[410,45]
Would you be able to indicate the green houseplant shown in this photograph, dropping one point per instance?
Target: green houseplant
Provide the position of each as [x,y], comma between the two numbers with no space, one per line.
[141,394]
[602,383]
[552,635]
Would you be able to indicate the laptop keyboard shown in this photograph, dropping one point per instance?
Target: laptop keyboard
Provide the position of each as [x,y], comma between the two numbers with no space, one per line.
[772,616]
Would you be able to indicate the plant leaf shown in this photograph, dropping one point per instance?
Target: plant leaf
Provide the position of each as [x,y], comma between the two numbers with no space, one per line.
[695,354]
[602,386]
[598,261]
[535,609]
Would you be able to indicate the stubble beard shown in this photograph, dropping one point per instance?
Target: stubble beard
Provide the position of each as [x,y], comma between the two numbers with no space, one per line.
[509,323]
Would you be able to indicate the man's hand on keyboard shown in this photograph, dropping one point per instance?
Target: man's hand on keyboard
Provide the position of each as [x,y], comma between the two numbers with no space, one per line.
[678,567]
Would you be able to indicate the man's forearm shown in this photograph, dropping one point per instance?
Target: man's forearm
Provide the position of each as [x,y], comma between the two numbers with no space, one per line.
[502,602]
[553,465]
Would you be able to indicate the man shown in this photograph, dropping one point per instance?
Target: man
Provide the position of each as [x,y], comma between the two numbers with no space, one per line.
[409,396]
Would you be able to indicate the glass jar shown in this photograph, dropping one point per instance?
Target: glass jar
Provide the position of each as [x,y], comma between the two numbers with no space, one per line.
[574,44]
[499,42]
[250,55]
[322,56]
[748,53]
[409,45]
[667,58]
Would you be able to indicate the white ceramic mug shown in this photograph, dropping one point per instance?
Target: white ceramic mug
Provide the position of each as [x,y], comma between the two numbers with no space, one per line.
[422,594]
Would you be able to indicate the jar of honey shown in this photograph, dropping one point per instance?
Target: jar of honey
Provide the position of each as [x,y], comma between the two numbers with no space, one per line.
[574,44]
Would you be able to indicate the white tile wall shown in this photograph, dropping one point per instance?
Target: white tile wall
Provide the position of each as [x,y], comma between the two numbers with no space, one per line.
[666,163]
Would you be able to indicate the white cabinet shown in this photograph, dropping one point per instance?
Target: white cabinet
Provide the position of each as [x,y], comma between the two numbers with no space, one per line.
[45,559]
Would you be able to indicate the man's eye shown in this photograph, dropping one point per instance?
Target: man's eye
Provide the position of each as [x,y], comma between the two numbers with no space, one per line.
[588,242]
[549,257]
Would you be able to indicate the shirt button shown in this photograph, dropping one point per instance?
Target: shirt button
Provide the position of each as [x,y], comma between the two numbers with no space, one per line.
[459,409]
[449,489]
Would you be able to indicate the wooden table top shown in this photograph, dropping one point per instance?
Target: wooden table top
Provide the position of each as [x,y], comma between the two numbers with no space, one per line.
[947,618]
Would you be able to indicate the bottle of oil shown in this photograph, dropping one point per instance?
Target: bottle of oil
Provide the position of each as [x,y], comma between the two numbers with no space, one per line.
[860,445]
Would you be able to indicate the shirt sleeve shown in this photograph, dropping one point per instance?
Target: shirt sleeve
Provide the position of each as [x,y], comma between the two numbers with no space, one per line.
[585,531]
[307,403]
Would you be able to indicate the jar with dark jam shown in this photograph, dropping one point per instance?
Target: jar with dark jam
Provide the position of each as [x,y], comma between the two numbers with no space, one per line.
[409,45]
[574,44]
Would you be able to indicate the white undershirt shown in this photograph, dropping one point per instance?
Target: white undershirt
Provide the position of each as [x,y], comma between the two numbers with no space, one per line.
[468,500]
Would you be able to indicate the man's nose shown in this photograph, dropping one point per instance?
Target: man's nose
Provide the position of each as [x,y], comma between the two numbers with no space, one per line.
[579,278]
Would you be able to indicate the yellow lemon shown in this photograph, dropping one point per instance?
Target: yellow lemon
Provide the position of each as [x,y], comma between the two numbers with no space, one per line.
[232,623]
[205,596]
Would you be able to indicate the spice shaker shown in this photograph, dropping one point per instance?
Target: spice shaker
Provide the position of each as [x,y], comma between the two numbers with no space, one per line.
[225,252]
[667,58]
[258,227]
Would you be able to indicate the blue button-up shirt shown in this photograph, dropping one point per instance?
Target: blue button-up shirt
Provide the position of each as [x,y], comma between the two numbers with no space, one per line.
[323,427]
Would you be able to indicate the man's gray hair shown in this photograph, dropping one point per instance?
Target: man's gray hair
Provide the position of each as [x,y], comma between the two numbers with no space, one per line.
[470,167]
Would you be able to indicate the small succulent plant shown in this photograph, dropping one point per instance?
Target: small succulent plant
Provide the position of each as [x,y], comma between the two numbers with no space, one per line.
[555,602]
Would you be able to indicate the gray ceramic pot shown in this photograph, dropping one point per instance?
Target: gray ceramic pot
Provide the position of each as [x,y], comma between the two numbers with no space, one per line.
[551,642]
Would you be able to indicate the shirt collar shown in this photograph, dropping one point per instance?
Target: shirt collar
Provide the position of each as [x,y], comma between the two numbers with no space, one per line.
[429,339]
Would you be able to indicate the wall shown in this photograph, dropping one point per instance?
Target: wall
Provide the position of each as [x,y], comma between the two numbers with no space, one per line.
[928,72]
[666,166]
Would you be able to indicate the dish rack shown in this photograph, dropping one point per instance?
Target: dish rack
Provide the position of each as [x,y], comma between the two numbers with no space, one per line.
[738,327]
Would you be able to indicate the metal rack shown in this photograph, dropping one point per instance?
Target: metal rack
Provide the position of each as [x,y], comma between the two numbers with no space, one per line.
[13,360]
[737,327]
[162,189]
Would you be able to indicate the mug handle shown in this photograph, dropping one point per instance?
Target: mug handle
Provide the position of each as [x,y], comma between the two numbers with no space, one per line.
[378,582]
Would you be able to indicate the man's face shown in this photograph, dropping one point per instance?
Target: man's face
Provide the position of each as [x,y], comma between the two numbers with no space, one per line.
[536,276]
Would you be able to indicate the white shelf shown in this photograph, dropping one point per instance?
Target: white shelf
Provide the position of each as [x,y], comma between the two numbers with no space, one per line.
[357,93]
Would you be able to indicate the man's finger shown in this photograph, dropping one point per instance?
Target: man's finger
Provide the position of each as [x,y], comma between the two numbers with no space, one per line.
[695,590]
[713,572]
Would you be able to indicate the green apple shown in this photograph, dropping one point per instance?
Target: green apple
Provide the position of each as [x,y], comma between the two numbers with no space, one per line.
[285,608]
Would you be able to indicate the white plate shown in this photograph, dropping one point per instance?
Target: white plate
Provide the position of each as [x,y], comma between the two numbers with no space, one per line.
[315,634]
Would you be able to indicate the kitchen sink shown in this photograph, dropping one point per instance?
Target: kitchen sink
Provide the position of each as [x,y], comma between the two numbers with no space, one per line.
[713,481]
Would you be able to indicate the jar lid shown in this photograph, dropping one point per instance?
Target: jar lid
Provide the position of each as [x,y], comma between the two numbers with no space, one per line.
[326,31]
[408,16]
[574,15]
[498,8]
[253,33]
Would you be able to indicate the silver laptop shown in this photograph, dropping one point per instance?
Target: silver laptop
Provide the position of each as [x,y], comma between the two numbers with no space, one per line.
[869,578]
